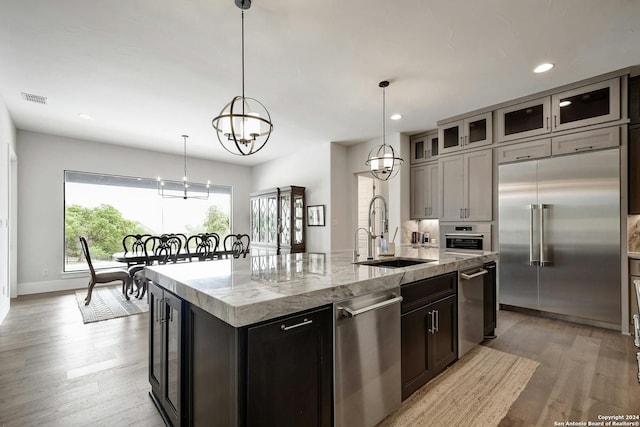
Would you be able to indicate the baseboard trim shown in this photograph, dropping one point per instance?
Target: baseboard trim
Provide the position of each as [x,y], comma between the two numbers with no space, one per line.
[5,304]
[53,285]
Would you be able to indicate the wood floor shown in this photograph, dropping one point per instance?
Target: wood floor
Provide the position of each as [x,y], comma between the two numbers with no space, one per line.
[56,371]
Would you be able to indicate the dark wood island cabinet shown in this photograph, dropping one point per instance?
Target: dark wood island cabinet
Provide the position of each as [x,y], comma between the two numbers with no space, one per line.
[429,329]
[275,373]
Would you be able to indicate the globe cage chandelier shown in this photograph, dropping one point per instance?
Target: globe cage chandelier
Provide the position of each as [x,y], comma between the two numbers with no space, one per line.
[382,160]
[244,125]
[180,189]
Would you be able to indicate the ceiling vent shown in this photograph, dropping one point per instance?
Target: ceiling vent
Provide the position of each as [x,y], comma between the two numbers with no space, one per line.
[34,98]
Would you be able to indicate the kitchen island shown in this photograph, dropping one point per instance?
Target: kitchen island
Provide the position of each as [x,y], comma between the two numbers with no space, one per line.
[212,332]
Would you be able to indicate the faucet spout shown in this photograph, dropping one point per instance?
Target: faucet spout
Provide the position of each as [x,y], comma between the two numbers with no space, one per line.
[384,222]
[356,250]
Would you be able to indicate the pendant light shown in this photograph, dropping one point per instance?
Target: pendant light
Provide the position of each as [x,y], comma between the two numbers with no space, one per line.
[244,125]
[383,162]
[183,189]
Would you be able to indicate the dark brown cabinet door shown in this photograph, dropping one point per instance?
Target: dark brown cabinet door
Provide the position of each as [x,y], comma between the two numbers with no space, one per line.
[634,171]
[415,331]
[290,370]
[165,352]
[443,347]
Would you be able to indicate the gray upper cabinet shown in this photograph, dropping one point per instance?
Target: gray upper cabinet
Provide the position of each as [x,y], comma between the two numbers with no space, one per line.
[470,132]
[424,191]
[529,118]
[588,105]
[583,106]
[424,147]
[466,186]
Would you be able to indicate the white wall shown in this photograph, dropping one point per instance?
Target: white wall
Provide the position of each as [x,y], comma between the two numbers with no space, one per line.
[42,160]
[398,187]
[7,146]
[340,213]
[309,168]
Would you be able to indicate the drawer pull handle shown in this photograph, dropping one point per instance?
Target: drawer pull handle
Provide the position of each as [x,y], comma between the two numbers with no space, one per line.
[523,157]
[584,148]
[353,313]
[466,276]
[297,325]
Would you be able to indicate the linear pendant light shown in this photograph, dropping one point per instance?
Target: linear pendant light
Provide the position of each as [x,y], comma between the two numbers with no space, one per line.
[183,189]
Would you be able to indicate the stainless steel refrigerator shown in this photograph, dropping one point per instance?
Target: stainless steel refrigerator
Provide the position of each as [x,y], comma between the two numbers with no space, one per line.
[559,234]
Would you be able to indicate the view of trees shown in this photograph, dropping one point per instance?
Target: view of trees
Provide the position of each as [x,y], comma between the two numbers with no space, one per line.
[217,222]
[104,227]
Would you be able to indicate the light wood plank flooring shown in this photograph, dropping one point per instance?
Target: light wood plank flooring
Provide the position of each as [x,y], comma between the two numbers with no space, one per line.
[56,371]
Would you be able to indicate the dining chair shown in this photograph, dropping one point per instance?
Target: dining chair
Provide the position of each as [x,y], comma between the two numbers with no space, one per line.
[201,246]
[162,249]
[103,276]
[236,245]
[134,244]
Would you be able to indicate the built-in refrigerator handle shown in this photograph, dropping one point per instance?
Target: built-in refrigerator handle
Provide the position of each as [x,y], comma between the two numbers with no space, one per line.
[543,257]
[532,260]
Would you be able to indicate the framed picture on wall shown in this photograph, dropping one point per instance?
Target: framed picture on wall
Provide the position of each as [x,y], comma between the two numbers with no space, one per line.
[315,215]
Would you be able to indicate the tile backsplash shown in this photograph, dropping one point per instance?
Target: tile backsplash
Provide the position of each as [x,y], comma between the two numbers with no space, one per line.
[633,232]
[430,226]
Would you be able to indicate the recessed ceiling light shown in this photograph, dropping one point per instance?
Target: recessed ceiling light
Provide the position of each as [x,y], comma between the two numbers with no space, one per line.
[543,67]
[85,116]
[396,116]
[564,103]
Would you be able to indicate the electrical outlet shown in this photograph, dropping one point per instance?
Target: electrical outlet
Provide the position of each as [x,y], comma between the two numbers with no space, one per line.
[45,272]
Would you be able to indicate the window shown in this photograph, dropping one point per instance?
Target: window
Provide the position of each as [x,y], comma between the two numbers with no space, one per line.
[104,208]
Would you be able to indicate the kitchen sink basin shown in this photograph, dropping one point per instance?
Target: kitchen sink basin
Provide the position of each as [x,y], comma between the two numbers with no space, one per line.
[395,262]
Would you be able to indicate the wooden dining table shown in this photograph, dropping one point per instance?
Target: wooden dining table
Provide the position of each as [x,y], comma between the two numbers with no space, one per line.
[131,258]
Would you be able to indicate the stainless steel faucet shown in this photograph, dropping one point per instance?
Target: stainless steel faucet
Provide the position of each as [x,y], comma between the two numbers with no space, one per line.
[384,222]
[356,250]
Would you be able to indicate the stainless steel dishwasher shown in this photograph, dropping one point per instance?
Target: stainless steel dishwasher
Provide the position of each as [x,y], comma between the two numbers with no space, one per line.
[367,358]
[470,309]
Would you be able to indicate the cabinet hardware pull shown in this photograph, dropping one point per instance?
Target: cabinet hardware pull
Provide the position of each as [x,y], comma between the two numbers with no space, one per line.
[157,310]
[555,121]
[430,329]
[437,313]
[466,212]
[547,122]
[353,313]
[522,157]
[461,213]
[425,211]
[479,273]
[466,140]
[584,148]
[297,325]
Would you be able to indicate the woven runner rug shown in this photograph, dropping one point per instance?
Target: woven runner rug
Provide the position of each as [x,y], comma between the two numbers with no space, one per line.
[109,303]
[477,390]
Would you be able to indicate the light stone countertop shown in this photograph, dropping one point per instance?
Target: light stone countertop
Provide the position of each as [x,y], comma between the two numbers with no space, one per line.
[249,290]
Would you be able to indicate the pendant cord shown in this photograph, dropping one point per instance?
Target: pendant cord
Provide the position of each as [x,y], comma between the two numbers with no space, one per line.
[185,158]
[383,122]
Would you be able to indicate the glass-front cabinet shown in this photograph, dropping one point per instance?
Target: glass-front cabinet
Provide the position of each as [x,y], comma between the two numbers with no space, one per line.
[278,220]
[583,106]
[424,147]
[470,132]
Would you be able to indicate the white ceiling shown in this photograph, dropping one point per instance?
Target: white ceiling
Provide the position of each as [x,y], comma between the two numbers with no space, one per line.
[148,71]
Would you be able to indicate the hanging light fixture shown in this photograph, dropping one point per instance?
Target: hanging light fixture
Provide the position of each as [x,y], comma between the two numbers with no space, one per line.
[183,189]
[244,125]
[383,162]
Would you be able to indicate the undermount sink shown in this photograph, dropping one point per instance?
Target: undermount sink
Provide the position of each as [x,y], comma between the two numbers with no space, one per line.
[395,262]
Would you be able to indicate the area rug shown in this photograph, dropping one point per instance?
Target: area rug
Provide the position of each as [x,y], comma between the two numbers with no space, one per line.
[477,390]
[109,303]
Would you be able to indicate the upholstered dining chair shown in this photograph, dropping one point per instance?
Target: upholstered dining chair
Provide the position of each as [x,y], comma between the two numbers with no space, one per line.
[104,276]
[237,245]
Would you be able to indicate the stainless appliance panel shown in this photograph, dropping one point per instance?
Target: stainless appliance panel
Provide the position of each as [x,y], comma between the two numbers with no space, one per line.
[518,234]
[580,258]
[470,309]
[367,358]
